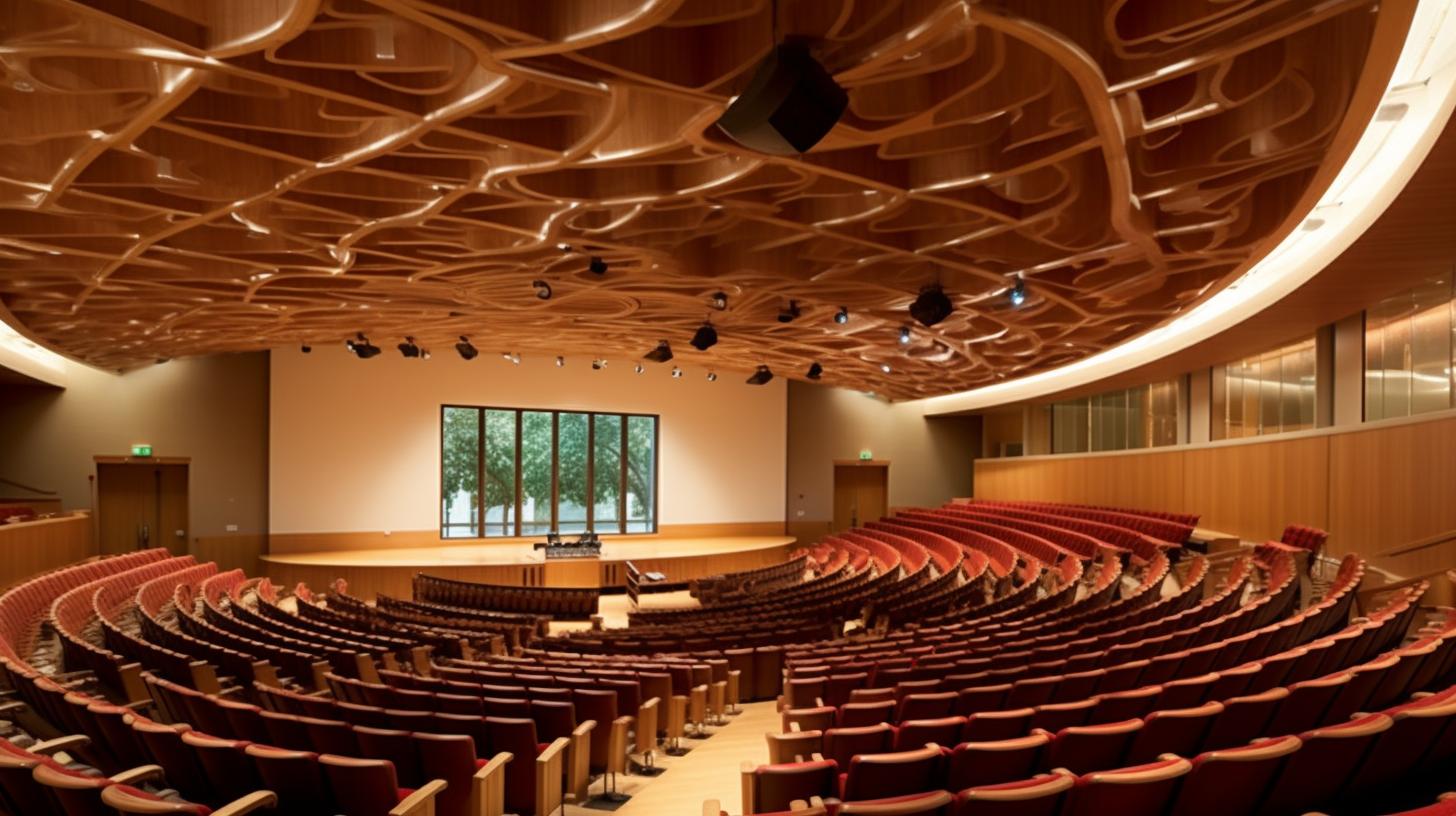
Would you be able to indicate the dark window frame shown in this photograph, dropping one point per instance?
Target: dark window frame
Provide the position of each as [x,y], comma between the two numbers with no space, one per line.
[624,457]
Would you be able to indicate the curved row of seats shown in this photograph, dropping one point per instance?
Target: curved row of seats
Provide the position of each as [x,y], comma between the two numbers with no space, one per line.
[1208,730]
[555,602]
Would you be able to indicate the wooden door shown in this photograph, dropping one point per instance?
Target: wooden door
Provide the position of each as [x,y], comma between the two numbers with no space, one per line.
[141,505]
[860,494]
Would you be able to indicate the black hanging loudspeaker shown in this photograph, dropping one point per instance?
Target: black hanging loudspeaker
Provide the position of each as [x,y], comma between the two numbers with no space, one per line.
[789,105]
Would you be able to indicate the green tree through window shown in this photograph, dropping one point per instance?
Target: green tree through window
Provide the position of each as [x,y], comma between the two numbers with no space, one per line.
[548,453]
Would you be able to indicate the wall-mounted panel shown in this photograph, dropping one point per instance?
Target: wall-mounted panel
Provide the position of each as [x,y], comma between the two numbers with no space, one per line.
[1375,488]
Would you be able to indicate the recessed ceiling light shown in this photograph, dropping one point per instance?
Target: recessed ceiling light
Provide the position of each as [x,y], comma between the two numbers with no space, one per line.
[904,335]
[1018,293]
[885,367]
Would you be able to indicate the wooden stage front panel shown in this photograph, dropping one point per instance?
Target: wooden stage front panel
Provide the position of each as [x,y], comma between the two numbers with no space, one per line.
[389,571]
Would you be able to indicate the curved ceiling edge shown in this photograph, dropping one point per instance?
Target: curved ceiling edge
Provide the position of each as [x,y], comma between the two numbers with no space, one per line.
[21,353]
[1413,110]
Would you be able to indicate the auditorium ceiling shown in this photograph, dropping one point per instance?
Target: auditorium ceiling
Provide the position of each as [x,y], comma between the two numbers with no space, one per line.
[184,177]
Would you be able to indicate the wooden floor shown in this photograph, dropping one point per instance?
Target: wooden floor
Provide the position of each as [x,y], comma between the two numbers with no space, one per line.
[708,771]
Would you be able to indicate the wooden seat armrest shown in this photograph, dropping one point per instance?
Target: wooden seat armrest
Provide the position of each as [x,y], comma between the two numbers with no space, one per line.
[137,775]
[816,757]
[746,779]
[421,802]
[488,787]
[617,744]
[17,706]
[551,775]
[65,743]
[578,759]
[248,804]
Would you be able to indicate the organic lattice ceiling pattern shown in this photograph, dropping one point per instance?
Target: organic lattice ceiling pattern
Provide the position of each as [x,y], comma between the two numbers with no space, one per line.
[193,176]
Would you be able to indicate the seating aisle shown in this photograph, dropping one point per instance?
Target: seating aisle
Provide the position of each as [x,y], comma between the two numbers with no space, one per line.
[704,773]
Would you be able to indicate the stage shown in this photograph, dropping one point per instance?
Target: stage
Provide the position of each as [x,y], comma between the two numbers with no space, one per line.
[388,571]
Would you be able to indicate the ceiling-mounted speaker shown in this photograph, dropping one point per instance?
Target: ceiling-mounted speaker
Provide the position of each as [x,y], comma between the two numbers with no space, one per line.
[789,105]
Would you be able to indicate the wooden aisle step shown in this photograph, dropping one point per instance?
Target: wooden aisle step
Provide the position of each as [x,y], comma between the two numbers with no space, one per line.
[709,771]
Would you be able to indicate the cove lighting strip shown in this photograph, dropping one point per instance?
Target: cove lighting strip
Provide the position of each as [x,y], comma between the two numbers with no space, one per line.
[1411,115]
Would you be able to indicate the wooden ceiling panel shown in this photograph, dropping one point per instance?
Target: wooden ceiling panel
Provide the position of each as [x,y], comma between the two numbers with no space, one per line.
[196,177]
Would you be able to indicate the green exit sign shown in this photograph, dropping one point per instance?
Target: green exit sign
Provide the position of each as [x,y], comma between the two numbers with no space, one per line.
[141,450]
[865,455]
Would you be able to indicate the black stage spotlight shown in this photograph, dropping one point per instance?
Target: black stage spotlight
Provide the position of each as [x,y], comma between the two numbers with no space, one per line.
[362,348]
[789,313]
[305,348]
[597,266]
[560,361]
[904,335]
[1018,293]
[598,364]
[719,301]
[712,376]
[704,338]
[932,306]
[543,289]
[842,316]
[815,371]
[661,354]
[789,105]
[761,376]
[467,351]
[676,373]
[638,368]
[408,348]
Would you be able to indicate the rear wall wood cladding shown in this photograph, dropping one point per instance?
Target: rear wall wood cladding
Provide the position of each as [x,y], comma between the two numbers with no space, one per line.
[1375,488]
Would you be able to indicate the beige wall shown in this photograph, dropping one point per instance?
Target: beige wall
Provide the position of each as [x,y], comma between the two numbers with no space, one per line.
[212,409]
[929,458]
[355,444]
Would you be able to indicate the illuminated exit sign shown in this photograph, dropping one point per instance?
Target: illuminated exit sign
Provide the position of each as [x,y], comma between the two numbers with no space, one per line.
[141,450]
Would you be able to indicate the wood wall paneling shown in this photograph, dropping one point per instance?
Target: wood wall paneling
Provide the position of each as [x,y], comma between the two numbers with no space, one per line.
[31,547]
[238,551]
[1374,488]
[1253,490]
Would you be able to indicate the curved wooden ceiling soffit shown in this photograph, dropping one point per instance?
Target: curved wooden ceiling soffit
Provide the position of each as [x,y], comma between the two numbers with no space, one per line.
[194,176]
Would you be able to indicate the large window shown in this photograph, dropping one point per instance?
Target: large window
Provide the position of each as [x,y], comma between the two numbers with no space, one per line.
[1269,393]
[1408,352]
[541,471]
[1142,417]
